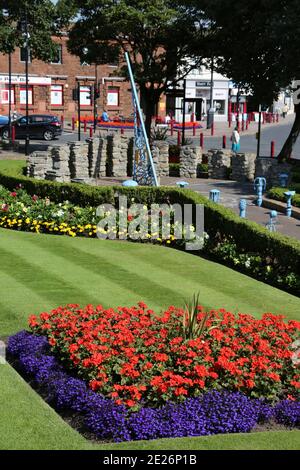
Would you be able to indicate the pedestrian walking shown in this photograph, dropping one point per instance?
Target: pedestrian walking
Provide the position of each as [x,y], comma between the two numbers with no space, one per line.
[236,139]
[285,110]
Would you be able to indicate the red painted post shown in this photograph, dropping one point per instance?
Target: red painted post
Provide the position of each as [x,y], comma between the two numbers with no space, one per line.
[212,130]
[122,130]
[62,121]
[277,117]
[272,149]
[224,141]
[202,140]
[73,124]
[13,134]
[263,118]
[193,117]
[178,138]
[247,124]
[172,127]
[84,125]
[194,128]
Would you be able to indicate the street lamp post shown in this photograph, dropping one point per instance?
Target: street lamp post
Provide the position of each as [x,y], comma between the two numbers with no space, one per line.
[210,113]
[26,47]
[259,132]
[95,97]
[9,94]
[183,114]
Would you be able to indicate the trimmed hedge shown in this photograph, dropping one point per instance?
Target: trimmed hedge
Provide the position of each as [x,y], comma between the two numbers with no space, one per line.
[13,174]
[278,194]
[248,235]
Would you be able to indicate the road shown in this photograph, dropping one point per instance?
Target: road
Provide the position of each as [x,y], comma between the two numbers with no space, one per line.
[276,132]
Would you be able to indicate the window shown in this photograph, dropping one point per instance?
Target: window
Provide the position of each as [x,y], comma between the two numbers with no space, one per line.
[58,57]
[5,95]
[219,106]
[85,96]
[23,54]
[23,95]
[56,92]
[113,97]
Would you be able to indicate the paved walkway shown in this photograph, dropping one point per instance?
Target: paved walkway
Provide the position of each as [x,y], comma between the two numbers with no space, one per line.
[231,193]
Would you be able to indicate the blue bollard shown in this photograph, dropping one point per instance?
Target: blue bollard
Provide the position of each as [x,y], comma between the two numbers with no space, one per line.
[289,196]
[243,207]
[260,185]
[129,183]
[271,225]
[283,179]
[214,195]
[182,184]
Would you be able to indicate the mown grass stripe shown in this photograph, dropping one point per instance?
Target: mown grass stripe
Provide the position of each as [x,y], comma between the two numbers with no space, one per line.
[219,286]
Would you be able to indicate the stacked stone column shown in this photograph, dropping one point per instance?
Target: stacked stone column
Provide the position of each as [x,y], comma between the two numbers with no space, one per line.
[190,157]
[270,169]
[97,157]
[219,163]
[79,161]
[243,167]
[160,155]
[38,163]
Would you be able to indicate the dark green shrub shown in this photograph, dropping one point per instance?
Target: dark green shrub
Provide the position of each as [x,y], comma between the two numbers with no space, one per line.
[202,170]
[278,194]
[174,170]
[174,153]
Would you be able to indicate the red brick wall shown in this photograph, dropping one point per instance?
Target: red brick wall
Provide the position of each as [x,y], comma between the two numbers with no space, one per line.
[71,68]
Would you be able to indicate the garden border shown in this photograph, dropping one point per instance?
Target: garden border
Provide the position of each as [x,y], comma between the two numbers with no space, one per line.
[219,221]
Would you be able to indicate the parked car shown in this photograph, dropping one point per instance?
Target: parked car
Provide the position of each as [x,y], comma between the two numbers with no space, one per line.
[3,121]
[40,126]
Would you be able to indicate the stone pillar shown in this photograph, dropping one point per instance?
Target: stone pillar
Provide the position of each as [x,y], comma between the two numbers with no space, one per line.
[79,161]
[190,157]
[117,152]
[219,163]
[97,157]
[38,163]
[160,155]
[270,169]
[243,167]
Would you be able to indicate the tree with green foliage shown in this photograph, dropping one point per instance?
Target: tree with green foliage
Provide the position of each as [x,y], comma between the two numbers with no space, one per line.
[256,43]
[43,22]
[164,39]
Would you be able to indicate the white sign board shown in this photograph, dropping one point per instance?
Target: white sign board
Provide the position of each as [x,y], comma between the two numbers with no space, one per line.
[21,79]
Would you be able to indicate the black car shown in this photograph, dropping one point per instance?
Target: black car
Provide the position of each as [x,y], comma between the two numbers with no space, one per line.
[40,126]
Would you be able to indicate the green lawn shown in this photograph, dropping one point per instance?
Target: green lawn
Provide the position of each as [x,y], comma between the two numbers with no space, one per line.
[39,272]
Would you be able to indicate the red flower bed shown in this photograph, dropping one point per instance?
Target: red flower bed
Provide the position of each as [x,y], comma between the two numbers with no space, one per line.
[135,357]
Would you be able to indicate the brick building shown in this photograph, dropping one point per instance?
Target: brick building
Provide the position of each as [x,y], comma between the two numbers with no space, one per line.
[51,85]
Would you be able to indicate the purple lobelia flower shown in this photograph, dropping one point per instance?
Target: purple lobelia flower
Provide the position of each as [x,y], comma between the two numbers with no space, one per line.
[287,412]
[212,413]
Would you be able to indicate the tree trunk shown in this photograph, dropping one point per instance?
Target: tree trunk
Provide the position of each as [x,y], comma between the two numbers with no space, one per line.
[287,149]
[150,100]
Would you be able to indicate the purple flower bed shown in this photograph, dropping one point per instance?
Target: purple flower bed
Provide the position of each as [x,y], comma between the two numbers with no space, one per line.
[213,413]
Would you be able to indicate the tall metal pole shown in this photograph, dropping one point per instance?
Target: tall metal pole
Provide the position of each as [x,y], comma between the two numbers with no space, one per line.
[137,106]
[183,114]
[95,99]
[26,74]
[259,133]
[78,110]
[9,94]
